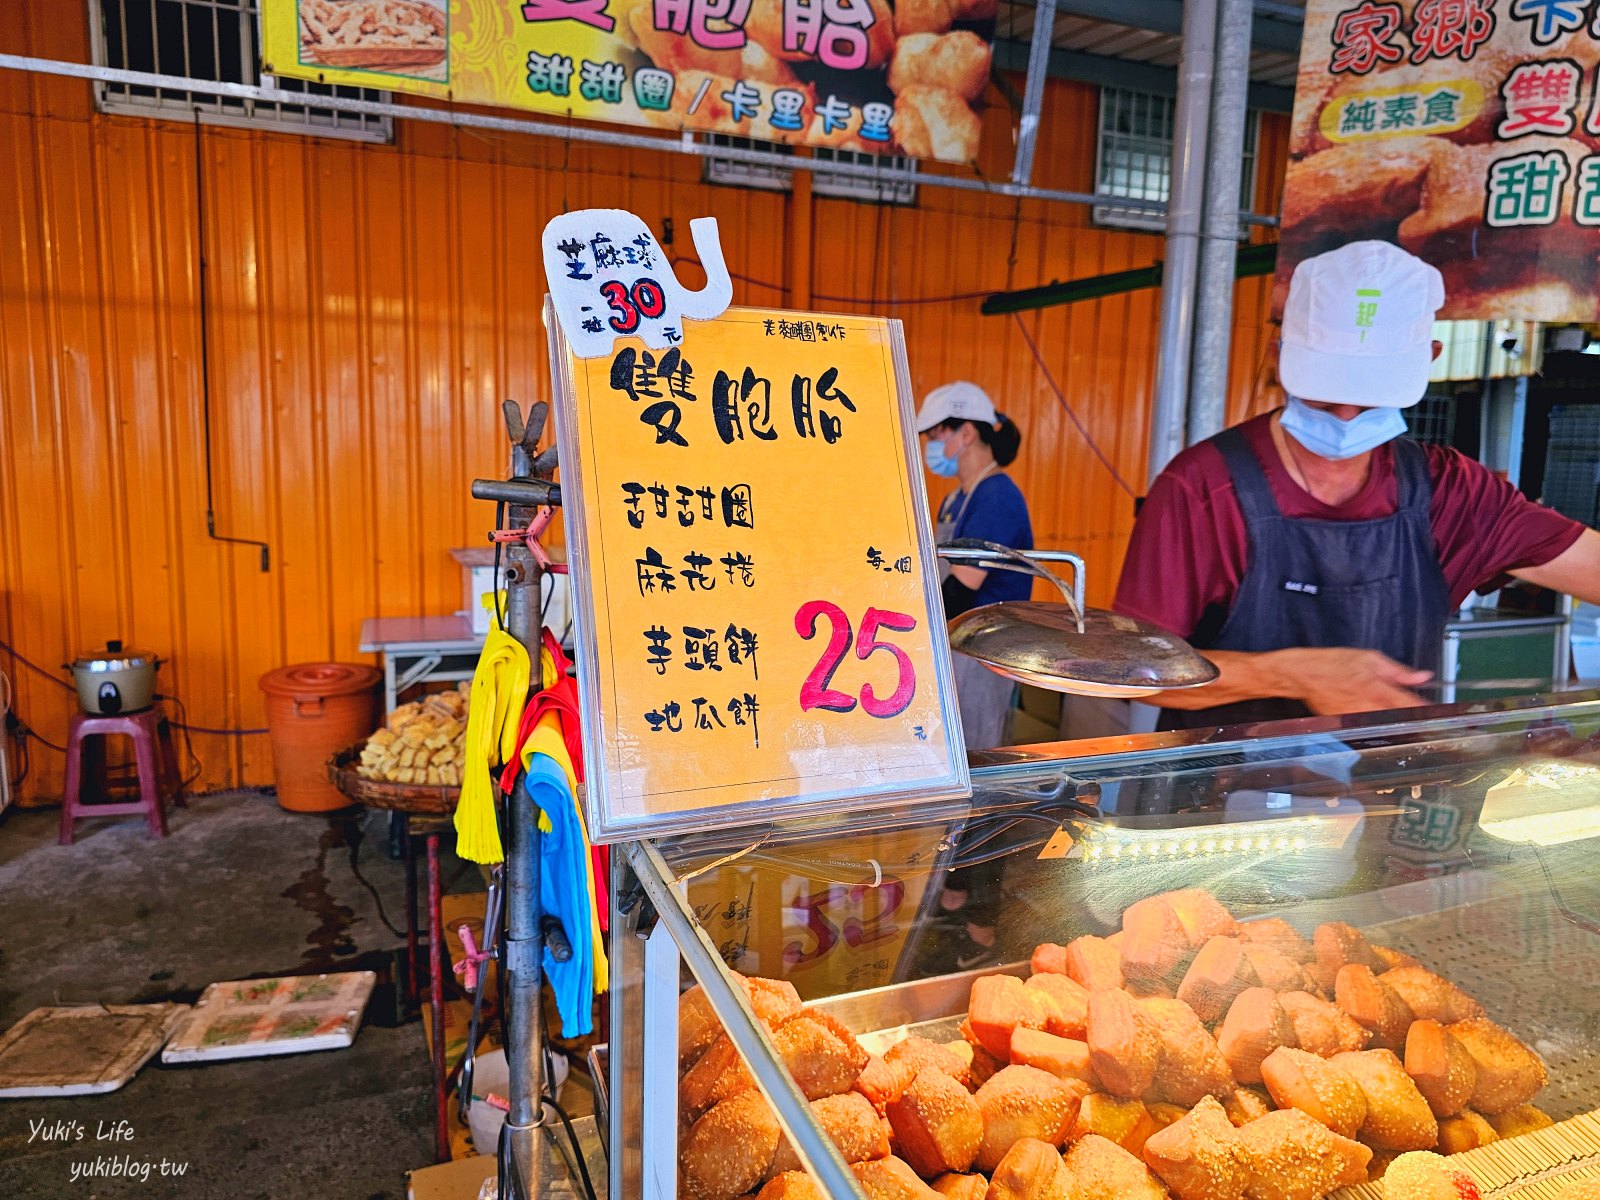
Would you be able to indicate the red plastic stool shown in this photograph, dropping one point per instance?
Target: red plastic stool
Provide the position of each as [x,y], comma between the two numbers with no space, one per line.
[154,758]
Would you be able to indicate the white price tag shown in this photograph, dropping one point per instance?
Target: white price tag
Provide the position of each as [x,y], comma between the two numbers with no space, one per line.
[609,278]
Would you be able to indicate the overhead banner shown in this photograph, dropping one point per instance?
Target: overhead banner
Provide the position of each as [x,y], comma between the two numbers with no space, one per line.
[1466,131]
[857,75]
[756,597]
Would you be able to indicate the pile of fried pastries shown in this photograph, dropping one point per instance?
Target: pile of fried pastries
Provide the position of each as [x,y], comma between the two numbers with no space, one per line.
[422,742]
[1189,1055]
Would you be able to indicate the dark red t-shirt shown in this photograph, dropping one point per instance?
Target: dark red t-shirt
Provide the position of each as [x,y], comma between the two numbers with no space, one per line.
[1189,548]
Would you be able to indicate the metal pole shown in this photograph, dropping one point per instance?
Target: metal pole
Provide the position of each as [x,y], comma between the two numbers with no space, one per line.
[818,1153]
[1219,242]
[624,1066]
[1044,29]
[436,951]
[1167,421]
[524,943]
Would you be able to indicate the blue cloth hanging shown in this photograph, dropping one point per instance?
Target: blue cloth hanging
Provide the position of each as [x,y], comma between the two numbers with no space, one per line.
[564,893]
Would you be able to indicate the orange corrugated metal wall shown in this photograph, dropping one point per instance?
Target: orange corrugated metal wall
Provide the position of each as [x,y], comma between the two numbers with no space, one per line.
[370,306]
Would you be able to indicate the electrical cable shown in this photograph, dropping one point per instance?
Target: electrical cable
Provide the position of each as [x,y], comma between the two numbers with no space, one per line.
[865,301]
[25,759]
[33,666]
[355,869]
[499,523]
[224,732]
[505,1165]
[577,1147]
[1067,408]
[205,351]
[30,732]
[183,724]
[188,742]
[955,297]
[5,712]
[572,1135]
[546,1075]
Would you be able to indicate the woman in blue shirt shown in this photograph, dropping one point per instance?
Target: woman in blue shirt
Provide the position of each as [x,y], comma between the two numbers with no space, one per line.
[964,438]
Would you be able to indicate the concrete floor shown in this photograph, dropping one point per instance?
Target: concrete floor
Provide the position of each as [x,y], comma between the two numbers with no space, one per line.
[240,889]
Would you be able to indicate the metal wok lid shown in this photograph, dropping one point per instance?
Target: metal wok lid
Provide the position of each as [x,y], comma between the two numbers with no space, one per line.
[1067,647]
[1109,655]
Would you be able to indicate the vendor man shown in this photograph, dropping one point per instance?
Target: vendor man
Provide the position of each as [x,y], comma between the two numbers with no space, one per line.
[1315,553]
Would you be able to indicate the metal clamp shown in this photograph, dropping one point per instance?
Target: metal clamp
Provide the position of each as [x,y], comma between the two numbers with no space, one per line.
[532,493]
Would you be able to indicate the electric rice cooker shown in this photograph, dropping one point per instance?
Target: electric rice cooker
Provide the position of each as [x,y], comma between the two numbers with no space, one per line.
[115,680]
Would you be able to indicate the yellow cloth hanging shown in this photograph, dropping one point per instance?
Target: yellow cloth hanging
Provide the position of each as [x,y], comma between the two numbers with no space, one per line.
[494,714]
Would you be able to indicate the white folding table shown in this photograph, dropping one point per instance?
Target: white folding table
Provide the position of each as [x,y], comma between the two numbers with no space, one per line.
[418,649]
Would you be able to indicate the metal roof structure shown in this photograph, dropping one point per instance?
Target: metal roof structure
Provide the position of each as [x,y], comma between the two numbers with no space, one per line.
[1136,43]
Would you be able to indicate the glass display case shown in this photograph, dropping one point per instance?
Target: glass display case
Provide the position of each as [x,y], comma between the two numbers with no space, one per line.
[1455,845]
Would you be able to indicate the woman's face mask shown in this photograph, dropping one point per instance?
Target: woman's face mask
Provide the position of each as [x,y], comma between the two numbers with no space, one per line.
[939,462]
[1327,436]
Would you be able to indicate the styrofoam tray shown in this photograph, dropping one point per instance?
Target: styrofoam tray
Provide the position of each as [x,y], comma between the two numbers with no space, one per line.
[84,1050]
[254,1018]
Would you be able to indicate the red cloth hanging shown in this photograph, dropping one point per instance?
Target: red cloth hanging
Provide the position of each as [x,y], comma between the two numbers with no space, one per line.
[562,699]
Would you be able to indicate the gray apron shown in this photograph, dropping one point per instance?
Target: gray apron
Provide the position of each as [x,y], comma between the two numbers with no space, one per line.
[985,698]
[1373,584]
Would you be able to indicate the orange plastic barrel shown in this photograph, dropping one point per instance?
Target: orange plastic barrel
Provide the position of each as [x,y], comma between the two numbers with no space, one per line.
[315,710]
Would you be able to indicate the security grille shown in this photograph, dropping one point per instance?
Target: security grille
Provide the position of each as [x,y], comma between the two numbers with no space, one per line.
[887,191]
[1134,157]
[1572,462]
[1432,419]
[776,177]
[215,41]
[771,177]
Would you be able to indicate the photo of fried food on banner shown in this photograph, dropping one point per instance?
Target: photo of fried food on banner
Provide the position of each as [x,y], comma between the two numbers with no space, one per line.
[1463,131]
[865,75]
[402,37]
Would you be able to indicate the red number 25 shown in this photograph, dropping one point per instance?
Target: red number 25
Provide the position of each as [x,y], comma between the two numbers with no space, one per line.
[817,690]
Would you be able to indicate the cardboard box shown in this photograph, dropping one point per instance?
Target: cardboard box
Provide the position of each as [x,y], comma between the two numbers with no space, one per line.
[462,1179]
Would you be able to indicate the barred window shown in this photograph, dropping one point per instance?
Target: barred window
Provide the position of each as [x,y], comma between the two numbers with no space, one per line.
[776,177]
[1433,418]
[1134,157]
[216,41]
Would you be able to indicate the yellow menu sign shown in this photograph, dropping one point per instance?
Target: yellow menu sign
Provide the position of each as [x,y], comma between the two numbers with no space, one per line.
[759,628]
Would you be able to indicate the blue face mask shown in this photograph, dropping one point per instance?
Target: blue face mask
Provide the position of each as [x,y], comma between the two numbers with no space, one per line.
[1327,436]
[933,454]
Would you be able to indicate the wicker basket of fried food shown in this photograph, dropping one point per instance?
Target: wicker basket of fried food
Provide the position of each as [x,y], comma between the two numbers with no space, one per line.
[414,763]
